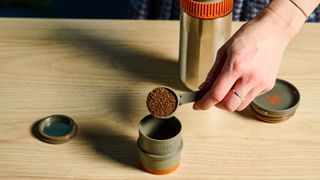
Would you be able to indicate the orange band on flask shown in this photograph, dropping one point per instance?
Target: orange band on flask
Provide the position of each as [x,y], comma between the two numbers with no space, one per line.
[206,10]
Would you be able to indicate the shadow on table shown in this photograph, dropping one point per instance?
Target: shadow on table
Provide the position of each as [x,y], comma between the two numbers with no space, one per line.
[140,65]
[247,114]
[35,130]
[106,141]
[123,56]
[113,144]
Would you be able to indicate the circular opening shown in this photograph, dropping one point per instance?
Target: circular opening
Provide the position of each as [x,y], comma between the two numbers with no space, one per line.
[160,129]
[56,126]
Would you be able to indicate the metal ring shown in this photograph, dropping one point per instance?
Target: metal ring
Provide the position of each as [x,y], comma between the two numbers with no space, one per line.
[237,94]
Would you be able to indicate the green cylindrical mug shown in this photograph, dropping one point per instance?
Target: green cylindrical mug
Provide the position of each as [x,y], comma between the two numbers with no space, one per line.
[159,144]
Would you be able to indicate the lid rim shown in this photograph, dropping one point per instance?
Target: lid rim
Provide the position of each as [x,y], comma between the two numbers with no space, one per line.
[59,139]
[291,109]
[267,114]
[271,119]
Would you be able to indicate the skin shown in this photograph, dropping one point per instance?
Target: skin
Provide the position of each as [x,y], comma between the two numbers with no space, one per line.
[249,62]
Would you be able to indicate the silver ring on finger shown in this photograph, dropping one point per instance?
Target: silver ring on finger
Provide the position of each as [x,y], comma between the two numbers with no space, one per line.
[237,94]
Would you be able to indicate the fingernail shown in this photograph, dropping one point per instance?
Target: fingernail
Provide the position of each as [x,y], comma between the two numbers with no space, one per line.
[195,107]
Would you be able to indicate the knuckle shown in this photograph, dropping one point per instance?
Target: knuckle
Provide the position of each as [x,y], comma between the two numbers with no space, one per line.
[230,107]
[242,107]
[269,84]
[252,76]
[216,97]
[237,65]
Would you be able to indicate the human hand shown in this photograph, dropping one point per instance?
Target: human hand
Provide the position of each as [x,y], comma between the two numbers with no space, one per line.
[247,65]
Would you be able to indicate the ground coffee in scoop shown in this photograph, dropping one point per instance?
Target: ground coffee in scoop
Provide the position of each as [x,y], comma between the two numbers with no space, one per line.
[161,102]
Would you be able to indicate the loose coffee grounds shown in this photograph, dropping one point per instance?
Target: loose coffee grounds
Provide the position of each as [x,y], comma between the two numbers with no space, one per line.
[161,102]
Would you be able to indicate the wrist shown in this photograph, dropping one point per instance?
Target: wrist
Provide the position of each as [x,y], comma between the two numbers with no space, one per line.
[288,13]
[306,6]
[269,24]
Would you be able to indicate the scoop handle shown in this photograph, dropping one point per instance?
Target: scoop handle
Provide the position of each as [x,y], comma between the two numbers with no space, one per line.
[189,97]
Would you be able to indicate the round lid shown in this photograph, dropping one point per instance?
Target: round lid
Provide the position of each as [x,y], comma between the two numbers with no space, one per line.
[206,9]
[271,119]
[282,99]
[57,129]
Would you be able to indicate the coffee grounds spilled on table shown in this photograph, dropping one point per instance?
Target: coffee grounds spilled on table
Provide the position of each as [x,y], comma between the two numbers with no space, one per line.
[161,102]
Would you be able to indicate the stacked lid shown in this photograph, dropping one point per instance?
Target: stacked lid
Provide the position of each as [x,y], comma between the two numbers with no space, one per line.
[278,104]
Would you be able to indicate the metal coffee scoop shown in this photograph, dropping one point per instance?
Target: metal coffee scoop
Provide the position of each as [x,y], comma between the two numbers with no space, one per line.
[181,98]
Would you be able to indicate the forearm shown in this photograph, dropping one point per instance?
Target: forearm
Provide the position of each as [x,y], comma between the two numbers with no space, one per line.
[293,13]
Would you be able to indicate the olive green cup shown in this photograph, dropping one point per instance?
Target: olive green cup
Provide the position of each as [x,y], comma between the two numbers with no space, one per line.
[159,144]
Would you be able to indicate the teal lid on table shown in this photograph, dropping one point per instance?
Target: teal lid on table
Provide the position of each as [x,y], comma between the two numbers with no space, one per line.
[57,129]
[279,103]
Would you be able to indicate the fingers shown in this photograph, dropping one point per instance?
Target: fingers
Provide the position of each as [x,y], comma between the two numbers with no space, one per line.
[255,92]
[220,86]
[249,98]
[219,90]
[237,95]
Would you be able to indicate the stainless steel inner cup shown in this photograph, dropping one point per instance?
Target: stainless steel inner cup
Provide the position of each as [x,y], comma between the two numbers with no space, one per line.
[159,144]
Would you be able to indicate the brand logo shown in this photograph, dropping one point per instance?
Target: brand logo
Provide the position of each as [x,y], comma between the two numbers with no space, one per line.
[273,99]
[163,147]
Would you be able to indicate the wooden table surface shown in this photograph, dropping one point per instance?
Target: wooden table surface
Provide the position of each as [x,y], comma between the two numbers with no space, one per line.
[99,73]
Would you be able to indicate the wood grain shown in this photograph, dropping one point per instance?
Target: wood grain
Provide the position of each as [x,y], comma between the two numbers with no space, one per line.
[99,73]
